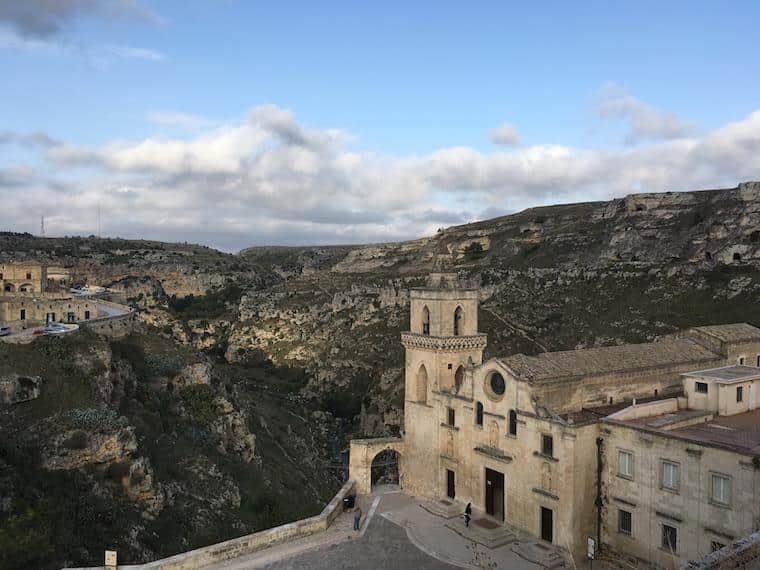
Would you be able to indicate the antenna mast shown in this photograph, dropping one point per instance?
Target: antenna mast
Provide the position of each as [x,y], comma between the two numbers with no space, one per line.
[42,226]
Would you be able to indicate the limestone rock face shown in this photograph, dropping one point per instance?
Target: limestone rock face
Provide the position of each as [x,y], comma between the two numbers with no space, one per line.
[74,449]
[234,436]
[199,373]
[15,388]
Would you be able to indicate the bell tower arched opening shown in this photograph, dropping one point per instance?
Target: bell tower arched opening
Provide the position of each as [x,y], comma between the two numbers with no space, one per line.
[425,320]
[421,384]
[458,321]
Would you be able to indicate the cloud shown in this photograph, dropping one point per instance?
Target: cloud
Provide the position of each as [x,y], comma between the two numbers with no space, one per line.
[181,120]
[46,18]
[129,52]
[267,178]
[645,122]
[505,135]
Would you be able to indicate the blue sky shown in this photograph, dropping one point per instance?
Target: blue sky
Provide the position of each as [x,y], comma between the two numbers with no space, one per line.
[400,99]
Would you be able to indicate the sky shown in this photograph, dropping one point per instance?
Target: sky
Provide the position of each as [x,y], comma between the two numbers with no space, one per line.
[241,122]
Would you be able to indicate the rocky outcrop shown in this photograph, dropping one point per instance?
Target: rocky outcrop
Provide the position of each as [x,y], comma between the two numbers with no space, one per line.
[77,448]
[15,388]
[231,428]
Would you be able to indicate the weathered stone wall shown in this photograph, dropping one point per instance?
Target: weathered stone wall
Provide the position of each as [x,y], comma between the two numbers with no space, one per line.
[698,520]
[37,307]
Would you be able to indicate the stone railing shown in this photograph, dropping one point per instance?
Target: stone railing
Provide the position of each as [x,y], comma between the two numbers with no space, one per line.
[248,544]
[443,344]
[112,326]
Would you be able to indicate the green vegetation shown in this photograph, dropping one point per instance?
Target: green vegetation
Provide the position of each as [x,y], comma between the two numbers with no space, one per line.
[214,305]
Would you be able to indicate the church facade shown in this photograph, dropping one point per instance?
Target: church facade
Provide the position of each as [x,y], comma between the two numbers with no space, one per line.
[532,441]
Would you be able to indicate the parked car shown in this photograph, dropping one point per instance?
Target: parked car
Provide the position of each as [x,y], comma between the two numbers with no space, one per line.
[5,331]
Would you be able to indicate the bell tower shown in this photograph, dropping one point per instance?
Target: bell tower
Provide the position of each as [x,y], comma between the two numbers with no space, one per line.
[443,341]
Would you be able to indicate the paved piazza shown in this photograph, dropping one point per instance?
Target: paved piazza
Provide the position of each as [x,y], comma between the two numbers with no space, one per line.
[397,533]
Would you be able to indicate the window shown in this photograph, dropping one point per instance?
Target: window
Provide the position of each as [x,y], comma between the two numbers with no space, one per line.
[28,275]
[22,316]
[450,417]
[758,356]
[715,545]
[720,489]
[669,537]
[701,387]
[479,414]
[625,521]
[425,320]
[513,422]
[458,314]
[497,384]
[547,445]
[741,361]
[671,477]
[625,464]
[739,394]
[87,315]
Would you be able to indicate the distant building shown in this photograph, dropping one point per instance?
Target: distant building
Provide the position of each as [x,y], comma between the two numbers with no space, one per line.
[26,299]
[23,278]
[617,443]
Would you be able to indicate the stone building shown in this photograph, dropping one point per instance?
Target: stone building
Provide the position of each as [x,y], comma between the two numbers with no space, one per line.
[23,277]
[25,299]
[532,440]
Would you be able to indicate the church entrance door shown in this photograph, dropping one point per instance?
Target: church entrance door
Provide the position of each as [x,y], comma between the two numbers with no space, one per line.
[495,494]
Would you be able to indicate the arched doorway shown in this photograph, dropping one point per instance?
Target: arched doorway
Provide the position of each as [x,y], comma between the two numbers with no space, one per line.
[385,468]
[26,288]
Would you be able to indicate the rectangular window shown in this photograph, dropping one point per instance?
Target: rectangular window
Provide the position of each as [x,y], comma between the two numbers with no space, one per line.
[625,521]
[739,394]
[701,387]
[547,445]
[450,417]
[671,476]
[28,275]
[512,422]
[758,356]
[720,489]
[741,361]
[669,537]
[625,464]
[22,315]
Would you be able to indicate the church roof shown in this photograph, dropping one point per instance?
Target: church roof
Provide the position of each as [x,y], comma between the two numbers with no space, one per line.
[594,361]
[738,332]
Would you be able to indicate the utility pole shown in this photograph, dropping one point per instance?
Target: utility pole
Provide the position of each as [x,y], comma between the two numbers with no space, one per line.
[42,226]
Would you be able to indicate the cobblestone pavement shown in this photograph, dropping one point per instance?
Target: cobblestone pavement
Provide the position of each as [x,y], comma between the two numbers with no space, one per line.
[397,534]
[384,546]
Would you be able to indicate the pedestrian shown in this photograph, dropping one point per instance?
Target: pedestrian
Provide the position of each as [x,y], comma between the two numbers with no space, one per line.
[357,518]
[467,515]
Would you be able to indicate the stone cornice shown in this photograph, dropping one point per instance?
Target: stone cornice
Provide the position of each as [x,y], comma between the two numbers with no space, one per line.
[443,344]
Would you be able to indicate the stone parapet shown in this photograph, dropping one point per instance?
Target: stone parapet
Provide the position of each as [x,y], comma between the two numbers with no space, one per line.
[217,553]
[443,344]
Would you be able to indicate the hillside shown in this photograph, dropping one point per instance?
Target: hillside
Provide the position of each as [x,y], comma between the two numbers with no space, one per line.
[298,348]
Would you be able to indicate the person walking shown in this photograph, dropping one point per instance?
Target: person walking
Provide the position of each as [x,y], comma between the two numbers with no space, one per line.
[357,518]
[467,515]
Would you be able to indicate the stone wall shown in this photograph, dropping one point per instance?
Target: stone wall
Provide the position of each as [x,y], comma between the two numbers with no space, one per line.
[245,545]
[699,521]
[117,326]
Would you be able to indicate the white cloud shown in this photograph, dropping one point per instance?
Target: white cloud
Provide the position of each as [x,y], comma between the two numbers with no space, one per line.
[269,179]
[505,135]
[181,120]
[645,122]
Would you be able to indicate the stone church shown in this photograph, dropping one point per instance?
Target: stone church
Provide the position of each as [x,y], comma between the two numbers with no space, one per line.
[528,439]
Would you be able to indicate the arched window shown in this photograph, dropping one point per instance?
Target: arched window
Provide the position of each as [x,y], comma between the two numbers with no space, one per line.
[512,422]
[458,321]
[425,320]
[422,381]
[458,379]
[479,414]
[9,288]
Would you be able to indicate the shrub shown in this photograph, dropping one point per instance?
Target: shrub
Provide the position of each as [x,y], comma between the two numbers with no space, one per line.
[77,440]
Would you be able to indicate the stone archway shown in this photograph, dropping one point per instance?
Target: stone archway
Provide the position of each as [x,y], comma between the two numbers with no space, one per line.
[9,288]
[385,468]
[363,468]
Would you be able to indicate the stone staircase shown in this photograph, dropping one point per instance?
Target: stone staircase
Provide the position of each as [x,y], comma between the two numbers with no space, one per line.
[484,531]
[444,508]
[545,555]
